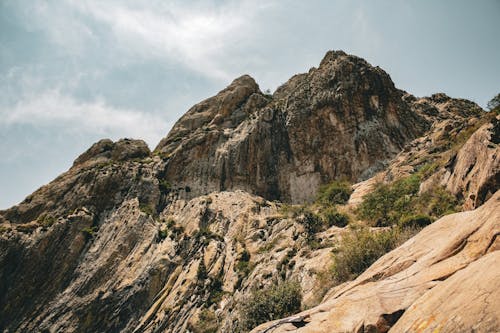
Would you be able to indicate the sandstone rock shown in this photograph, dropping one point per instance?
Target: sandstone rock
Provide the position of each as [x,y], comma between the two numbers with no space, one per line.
[436,269]
[475,171]
[471,170]
[129,240]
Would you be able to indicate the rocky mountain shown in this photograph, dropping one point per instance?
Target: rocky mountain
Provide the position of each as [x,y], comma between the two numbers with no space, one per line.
[344,119]
[220,228]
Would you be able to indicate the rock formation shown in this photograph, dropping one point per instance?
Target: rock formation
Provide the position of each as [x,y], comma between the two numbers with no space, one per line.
[438,281]
[344,119]
[129,240]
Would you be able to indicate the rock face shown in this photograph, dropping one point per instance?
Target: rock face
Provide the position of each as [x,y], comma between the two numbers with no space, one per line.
[130,240]
[441,280]
[344,119]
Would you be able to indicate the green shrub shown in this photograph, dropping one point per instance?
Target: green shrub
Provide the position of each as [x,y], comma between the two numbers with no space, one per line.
[360,248]
[292,210]
[312,223]
[274,302]
[216,291]
[437,202]
[205,235]
[394,203]
[46,220]
[243,265]
[388,203]
[415,221]
[89,232]
[165,186]
[426,170]
[207,323]
[147,209]
[332,217]
[337,192]
[201,273]
[162,234]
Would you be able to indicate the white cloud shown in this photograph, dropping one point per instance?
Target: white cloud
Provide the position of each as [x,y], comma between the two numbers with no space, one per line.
[198,37]
[52,109]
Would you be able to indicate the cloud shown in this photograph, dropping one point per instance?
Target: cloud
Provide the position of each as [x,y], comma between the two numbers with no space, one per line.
[198,36]
[52,109]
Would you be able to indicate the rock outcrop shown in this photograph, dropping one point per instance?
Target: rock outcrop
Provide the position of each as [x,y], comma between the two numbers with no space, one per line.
[442,280]
[130,240]
[344,119]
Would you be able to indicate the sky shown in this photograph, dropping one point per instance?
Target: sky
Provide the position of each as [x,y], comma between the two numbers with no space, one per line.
[76,71]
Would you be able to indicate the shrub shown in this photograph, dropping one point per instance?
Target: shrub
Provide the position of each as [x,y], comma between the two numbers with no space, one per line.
[393,203]
[415,221]
[437,202]
[46,220]
[207,322]
[274,302]
[426,170]
[388,203]
[216,291]
[292,210]
[312,223]
[162,234]
[89,232]
[147,209]
[360,248]
[337,192]
[332,217]
[243,265]
[201,273]
[165,186]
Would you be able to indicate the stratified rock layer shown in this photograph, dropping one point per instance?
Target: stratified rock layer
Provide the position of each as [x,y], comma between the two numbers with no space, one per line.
[134,241]
[445,279]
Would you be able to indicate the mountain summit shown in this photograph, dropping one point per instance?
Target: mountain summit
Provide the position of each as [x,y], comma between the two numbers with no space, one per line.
[256,207]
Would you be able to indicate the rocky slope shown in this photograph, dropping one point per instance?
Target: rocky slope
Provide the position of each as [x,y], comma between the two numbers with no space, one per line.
[442,280]
[138,241]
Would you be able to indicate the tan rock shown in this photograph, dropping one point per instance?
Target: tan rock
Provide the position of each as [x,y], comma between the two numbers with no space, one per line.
[419,277]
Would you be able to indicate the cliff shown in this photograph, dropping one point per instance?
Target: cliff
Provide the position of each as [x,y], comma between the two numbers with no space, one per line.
[224,213]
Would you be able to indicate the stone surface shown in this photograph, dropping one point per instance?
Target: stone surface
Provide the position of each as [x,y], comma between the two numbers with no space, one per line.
[441,269]
[342,119]
[116,243]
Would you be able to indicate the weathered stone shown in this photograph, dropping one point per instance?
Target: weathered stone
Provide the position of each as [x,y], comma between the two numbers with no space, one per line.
[129,240]
[343,119]
[443,279]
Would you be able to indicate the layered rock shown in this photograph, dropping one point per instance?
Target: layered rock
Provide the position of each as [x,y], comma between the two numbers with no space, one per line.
[459,153]
[129,240]
[441,280]
[136,271]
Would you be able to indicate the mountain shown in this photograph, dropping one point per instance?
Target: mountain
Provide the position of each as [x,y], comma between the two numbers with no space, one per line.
[244,212]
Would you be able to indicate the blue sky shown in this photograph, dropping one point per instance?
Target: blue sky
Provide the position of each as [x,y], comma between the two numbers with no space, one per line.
[75,71]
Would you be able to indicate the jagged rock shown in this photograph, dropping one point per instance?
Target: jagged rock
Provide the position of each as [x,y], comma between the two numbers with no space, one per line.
[123,274]
[472,171]
[129,240]
[475,173]
[433,282]
[343,119]
[106,150]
